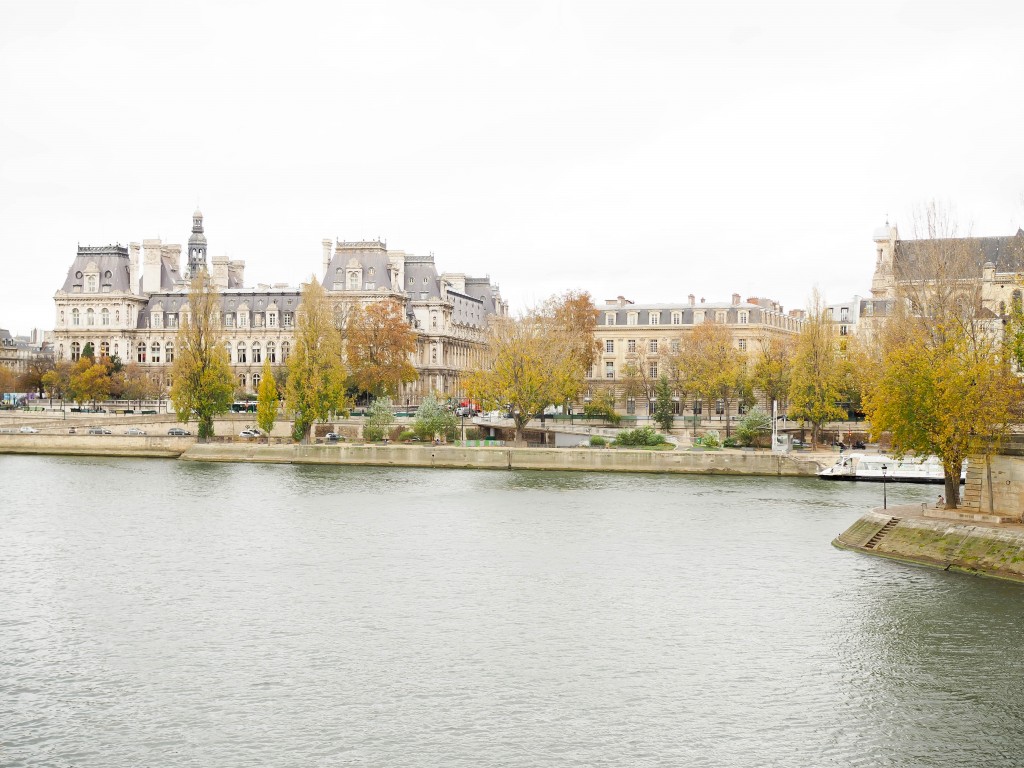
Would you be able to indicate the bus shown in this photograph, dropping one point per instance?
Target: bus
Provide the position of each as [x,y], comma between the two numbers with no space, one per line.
[243,406]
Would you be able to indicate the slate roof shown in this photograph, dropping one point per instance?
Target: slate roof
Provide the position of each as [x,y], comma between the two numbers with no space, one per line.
[421,278]
[663,312]
[113,264]
[1006,253]
[369,255]
[287,300]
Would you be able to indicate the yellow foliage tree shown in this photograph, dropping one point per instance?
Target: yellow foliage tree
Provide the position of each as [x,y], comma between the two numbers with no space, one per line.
[316,374]
[379,344]
[266,399]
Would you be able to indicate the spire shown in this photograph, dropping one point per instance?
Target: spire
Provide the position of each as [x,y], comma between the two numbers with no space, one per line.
[197,245]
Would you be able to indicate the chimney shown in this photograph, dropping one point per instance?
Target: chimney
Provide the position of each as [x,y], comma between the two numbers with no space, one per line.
[236,273]
[735,299]
[701,299]
[327,254]
[151,266]
[693,299]
[219,276]
[133,267]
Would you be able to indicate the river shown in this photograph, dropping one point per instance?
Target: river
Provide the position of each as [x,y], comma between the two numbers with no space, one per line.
[165,613]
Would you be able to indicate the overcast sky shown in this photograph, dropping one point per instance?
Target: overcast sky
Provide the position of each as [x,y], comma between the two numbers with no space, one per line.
[638,148]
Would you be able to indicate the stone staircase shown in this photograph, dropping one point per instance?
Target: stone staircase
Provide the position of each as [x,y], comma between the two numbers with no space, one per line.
[882,533]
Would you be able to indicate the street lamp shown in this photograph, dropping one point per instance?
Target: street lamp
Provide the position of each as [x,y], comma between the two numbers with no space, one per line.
[463,427]
[885,500]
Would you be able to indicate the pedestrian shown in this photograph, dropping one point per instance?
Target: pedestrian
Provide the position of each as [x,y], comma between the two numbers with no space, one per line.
[941,502]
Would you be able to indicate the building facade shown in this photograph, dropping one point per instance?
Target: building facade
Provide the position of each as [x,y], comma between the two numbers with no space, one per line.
[649,335]
[128,302]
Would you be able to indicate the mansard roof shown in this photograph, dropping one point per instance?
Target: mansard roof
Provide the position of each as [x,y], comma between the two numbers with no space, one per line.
[663,312]
[259,300]
[367,255]
[421,278]
[1005,252]
[111,261]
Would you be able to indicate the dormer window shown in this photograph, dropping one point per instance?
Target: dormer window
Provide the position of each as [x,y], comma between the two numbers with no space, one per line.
[90,284]
[609,318]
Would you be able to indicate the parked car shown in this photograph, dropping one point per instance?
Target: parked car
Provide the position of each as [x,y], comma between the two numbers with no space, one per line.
[178,432]
[134,431]
[332,437]
[99,431]
[29,431]
[251,432]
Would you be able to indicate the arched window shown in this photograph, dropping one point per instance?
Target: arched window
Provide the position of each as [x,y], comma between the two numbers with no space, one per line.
[257,353]
[285,350]
[353,281]
[170,351]
[154,352]
[255,382]
[141,350]
[271,352]
[104,316]
[90,317]
[104,349]
[75,316]
[241,381]
[91,284]
[76,351]
[241,352]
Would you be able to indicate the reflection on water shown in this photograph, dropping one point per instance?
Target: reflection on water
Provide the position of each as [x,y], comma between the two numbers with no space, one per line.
[178,614]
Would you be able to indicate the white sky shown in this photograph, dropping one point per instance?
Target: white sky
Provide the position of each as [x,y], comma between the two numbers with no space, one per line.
[637,148]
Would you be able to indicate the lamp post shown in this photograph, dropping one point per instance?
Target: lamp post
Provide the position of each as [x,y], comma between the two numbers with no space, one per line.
[463,427]
[885,500]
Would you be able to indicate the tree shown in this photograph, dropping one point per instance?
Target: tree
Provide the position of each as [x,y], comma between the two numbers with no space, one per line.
[134,384]
[815,385]
[58,380]
[379,418]
[8,379]
[754,427]
[715,366]
[31,380]
[943,384]
[573,316]
[316,375]
[203,383]
[771,370]
[266,399]
[90,381]
[433,419]
[530,365]
[664,406]
[379,344]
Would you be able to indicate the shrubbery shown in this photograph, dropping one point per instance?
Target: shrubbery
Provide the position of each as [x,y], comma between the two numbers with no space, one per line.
[712,439]
[596,441]
[641,436]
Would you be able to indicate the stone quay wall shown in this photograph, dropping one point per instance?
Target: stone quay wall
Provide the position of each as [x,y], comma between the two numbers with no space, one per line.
[985,550]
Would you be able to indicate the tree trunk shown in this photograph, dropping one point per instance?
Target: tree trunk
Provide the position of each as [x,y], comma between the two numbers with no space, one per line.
[952,485]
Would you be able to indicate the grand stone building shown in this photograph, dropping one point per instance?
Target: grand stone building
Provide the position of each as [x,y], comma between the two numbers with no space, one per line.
[127,301]
[650,334]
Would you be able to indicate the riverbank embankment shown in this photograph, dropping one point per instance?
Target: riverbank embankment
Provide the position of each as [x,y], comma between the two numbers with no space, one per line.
[907,534]
[725,462]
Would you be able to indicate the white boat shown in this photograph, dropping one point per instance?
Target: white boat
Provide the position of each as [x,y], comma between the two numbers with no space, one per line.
[859,466]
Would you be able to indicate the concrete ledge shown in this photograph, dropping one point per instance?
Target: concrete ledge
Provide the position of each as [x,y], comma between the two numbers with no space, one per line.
[584,459]
[156,447]
[996,551]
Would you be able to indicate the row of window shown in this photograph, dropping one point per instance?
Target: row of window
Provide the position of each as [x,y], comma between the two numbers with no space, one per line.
[697,407]
[652,345]
[259,320]
[155,353]
[676,317]
[90,316]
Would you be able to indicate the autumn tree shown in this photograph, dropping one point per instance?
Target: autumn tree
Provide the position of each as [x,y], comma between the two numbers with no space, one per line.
[31,379]
[90,381]
[715,367]
[815,383]
[8,379]
[771,369]
[316,374]
[266,399]
[57,381]
[379,418]
[379,344]
[203,385]
[529,365]
[944,385]
[573,316]
[134,384]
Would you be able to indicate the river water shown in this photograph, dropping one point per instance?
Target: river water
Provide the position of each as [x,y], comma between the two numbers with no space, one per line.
[164,613]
